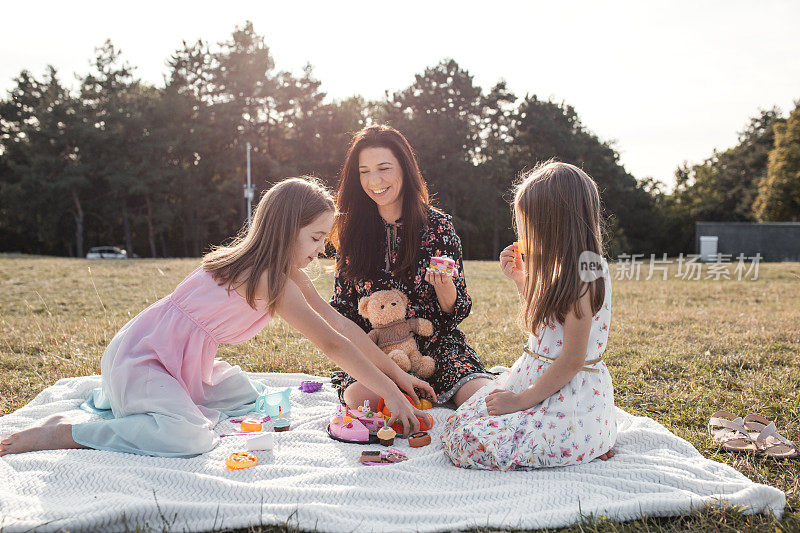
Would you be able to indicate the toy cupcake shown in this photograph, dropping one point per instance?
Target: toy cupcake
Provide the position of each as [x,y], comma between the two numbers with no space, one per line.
[281,424]
[386,435]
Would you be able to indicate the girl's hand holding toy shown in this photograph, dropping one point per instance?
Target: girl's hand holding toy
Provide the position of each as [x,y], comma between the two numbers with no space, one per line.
[512,265]
[404,413]
[407,383]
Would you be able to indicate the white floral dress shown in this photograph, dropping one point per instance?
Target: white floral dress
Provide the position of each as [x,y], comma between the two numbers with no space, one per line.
[573,426]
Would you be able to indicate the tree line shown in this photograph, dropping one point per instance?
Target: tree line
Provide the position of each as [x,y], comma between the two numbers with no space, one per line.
[159,170]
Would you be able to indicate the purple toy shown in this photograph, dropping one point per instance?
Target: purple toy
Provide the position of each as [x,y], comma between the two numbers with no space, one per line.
[240,420]
[310,386]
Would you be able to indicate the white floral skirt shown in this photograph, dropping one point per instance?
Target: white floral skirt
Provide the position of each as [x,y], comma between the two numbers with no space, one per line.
[573,426]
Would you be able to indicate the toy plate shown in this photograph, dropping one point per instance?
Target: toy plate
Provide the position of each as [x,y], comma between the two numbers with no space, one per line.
[373,439]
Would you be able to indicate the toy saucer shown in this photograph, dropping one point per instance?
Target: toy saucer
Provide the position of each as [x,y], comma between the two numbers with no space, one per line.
[373,439]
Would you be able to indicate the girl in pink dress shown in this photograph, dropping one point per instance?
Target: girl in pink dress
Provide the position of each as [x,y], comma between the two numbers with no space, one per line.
[555,406]
[162,389]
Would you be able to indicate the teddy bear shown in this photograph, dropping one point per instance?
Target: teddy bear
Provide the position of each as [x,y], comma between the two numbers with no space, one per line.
[386,311]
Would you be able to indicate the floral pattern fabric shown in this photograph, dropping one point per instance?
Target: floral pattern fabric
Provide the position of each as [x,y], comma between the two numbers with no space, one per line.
[456,361]
[573,426]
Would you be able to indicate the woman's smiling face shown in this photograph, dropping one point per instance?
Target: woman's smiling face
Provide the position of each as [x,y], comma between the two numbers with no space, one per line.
[382,178]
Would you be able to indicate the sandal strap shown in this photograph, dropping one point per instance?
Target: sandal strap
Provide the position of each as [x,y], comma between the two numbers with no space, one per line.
[771,431]
[755,417]
[736,424]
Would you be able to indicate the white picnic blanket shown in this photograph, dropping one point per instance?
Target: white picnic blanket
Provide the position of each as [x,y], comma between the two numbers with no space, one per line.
[315,483]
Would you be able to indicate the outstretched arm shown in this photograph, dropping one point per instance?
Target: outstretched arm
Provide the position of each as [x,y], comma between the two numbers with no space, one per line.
[361,340]
[297,312]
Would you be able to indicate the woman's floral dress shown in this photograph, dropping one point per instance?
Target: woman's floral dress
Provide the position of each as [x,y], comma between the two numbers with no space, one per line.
[573,426]
[456,361]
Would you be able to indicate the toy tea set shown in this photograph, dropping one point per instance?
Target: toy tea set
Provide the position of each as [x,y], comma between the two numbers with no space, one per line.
[360,426]
[392,332]
[365,426]
[275,406]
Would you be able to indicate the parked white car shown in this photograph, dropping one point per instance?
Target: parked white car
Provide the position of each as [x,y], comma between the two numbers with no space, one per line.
[106,252]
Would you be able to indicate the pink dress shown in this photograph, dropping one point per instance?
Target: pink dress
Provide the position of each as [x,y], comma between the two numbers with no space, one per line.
[160,380]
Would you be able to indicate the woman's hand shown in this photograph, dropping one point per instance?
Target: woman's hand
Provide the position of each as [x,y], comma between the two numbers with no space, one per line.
[445,289]
[512,265]
[403,412]
[406,383]
[501,402]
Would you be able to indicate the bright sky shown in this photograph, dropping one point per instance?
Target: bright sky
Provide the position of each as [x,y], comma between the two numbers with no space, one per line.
[667,81]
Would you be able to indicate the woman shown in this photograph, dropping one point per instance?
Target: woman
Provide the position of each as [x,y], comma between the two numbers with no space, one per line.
[386,233]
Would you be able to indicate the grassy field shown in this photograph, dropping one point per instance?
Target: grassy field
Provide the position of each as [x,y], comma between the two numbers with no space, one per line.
[678,350]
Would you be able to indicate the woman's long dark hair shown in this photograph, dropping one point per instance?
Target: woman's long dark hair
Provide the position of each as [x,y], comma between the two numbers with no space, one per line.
[358,232]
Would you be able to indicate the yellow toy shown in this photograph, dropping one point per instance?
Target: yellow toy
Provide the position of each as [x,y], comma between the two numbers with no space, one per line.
[240,460]
[424,404]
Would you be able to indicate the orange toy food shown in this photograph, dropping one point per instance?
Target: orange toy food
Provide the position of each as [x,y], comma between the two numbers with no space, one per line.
[419,439]
[251,425]
[425,423]
[240,460]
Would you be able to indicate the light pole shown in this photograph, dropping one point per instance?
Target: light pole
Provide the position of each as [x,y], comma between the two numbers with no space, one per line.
[249,190]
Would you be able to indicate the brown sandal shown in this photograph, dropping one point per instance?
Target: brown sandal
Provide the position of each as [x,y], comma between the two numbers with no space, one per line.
[767,438]
[729,432]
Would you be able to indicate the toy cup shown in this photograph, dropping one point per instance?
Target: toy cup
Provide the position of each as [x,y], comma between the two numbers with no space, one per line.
[268,403]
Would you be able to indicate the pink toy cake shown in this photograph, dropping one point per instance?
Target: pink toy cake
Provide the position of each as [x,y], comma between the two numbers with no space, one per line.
[345,427]
[442,264]
[372,420]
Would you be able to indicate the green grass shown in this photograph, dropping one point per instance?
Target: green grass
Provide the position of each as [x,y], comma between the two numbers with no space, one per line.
[678,350]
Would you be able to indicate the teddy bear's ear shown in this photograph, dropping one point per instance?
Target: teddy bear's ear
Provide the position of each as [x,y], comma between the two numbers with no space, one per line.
[362,306]
[404,298]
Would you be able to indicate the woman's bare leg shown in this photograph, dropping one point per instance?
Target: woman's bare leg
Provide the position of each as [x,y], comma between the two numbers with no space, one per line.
[356,393]
[55,433]
[468,389]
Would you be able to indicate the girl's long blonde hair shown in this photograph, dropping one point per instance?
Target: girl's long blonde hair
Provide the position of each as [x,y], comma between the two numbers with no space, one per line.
[557,217]
[266,247]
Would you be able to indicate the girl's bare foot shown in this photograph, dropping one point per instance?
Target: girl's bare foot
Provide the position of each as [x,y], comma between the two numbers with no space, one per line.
[55,433]
[606,456]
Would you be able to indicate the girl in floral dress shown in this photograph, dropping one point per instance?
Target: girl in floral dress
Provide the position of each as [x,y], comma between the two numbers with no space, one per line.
[555,406]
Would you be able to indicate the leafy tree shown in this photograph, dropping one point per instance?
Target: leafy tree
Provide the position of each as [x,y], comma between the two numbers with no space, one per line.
[43,177]
[109,128]
[440,115]
[779,192]
[550,130]
[724,186]
[497,166]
